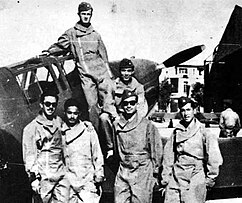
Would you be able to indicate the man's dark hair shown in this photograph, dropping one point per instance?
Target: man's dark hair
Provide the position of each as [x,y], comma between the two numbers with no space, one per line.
[71,102]
[48,93]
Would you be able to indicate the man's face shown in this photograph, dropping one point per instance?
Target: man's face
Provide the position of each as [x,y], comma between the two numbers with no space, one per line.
[85,16]
[126,73]
[49,105]
[130,105]
[187,112]
[72,115]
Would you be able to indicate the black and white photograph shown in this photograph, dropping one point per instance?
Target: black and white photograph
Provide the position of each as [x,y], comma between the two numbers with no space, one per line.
[120,101]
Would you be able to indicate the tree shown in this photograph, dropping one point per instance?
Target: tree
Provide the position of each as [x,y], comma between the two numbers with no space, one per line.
[197,93]
[164,94]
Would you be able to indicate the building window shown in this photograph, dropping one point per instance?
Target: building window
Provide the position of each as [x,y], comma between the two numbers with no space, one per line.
[185,86]
[174,83]
[183,70]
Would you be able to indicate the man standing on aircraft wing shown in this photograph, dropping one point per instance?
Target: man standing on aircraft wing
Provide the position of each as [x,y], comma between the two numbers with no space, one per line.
[91,60]
[125,81]
[83,156]
[140,150]
[43,152]
[191,159]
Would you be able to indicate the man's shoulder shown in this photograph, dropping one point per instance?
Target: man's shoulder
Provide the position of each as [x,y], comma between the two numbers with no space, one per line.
[145,121]
[70,31]
[31,124]
[136,82]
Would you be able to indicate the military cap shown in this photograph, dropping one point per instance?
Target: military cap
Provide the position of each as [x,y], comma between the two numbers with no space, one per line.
[71,102]
[182,101]
[126,63]
[84,6]
[128,93]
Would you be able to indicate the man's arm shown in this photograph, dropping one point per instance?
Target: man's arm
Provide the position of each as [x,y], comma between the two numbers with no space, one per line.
[62,46]
[29,148]
[156,148]
[221,121]
[97,158]
[103,53]
[214,158]
[168,161]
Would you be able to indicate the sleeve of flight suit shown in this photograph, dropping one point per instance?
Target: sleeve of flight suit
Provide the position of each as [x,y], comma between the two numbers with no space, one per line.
[97,158]
[102,49]
[62,45]
[29,147]
[168,160]
[213,157]
[156,149]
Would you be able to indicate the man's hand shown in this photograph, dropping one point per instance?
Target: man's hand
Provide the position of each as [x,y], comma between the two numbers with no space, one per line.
[109,154]
[36,186]
[89,126]
[210,183]
[99,189]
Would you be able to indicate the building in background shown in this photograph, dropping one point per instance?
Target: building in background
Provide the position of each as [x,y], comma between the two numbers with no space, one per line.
[182,78]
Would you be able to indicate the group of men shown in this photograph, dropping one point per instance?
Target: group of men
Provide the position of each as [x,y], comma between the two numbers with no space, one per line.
[64,160]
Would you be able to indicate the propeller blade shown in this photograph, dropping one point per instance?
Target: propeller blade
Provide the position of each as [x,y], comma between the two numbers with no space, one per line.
[182,56]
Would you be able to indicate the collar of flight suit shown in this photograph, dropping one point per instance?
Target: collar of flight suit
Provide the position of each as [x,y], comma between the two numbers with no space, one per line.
[72,133]
[124,125]
[81,30]
[182,134]
[50,125]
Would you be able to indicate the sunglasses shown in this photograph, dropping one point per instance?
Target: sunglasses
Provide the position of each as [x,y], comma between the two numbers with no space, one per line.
[48,104]
[132,103]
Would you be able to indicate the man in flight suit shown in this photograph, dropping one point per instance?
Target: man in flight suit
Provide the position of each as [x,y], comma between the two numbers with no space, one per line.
[125,81]
[83,156]
[140,150]
[191,159]
[91,61]
[43,152]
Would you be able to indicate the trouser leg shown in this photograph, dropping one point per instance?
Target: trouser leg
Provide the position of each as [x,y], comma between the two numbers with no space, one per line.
[89,87]
[106,130]
[122,193]
[105,90]
[87,194]
[61,191]
[143,185]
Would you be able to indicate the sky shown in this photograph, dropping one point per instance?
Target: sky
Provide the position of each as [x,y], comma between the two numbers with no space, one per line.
[148,29]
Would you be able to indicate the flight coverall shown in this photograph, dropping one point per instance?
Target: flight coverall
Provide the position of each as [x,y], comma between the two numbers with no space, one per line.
[229,123]
[84,162]
[91,60]
[140,150]
[106,123]
[190,163]
[43,155]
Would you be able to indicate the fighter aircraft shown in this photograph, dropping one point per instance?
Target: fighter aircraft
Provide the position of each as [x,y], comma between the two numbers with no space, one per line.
[21,85]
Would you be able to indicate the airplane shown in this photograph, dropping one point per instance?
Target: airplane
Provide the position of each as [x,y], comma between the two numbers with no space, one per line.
[21,85]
